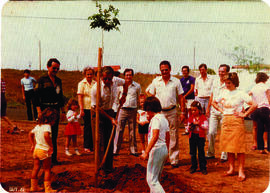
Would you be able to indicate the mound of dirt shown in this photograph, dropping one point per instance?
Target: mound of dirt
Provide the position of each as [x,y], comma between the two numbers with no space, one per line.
[133,179]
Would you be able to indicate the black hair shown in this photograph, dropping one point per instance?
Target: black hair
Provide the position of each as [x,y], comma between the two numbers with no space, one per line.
[165,62]
[187,67]
[203,65]
[198,105]
[225,65]
[26,71]
[128,70]
[152,104]
[50,61]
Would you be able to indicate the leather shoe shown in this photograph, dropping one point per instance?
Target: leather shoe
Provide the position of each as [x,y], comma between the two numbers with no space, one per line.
[223,160]
[204,172]
[55,162]
[174,165]
[192,170]
[135,154]
[210,157]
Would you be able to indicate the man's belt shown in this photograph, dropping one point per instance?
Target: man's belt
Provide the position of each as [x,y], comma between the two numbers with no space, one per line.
[128,108]
[169,109]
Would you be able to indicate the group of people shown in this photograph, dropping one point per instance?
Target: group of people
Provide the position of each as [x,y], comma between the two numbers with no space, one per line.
[205,102]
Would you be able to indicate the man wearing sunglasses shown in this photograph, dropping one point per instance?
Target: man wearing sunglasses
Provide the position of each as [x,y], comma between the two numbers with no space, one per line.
[49,93]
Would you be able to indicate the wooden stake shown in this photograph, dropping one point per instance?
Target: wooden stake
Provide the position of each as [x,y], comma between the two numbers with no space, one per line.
[97,137]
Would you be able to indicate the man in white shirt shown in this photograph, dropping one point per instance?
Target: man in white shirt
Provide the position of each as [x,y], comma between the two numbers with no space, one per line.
[203,87]
[216,116]
[107,97]
[169,91]
[127,113]
[28,84]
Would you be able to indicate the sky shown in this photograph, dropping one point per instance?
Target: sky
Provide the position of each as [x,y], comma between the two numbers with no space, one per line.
[149,33]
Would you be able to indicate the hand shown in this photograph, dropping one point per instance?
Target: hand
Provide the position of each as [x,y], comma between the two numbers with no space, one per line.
[207,113]
[23,97]
[39,114]
[240,114]
[32,148]
[50,151]
[81,112]
[75,114]
[144,156]
[114,121]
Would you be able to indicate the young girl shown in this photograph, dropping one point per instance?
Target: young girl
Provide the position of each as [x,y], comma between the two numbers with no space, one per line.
[143,123]
[73,127]
[197,126]
[40,138]
[158,143]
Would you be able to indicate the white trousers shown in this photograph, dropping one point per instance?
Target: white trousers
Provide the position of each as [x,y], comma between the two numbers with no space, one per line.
[156,161]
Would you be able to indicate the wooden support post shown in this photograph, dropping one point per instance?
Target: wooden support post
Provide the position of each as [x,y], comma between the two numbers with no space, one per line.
[97,136]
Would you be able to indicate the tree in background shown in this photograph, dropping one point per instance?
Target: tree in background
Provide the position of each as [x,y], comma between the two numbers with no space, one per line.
[105,19]
[242,56]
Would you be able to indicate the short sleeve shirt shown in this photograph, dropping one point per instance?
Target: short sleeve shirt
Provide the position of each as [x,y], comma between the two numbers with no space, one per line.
[259,94]
[204,86]
[39,131]
[166,93]
[232,101]
[159,122]
[186,84]
[84,88]
[28,83]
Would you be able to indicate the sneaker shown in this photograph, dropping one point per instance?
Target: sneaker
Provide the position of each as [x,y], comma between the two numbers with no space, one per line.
[68,153]
[77,152]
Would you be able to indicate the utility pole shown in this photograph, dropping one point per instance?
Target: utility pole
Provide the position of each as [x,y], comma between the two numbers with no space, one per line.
[39,54]
[194,57]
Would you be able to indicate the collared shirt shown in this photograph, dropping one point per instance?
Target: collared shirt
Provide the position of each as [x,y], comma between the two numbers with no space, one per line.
[217,87]
[204,86]
[28,83]
[107,96]
[186,84]
[49,94]
[132,97]
[84,88]
[166,93]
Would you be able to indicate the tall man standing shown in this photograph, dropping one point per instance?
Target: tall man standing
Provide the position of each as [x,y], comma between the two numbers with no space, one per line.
[128,112]
[169,91]
[216,116]
[49,93]
[203,87]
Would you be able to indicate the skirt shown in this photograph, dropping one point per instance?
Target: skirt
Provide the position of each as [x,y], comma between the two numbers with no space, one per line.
[73,128]
[232,137]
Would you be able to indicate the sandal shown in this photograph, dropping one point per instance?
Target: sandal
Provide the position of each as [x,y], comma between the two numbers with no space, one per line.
[254,147]
[87,150]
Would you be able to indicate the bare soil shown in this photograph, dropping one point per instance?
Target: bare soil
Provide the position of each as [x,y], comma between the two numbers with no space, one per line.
[76,174]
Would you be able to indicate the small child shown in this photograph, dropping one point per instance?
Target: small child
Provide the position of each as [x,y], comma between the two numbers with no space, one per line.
[73,127]
[158,143]
[143,123]
[40,138]
[197,126]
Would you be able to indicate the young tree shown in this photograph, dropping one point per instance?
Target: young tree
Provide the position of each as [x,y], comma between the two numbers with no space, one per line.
[105,19]
[242,56]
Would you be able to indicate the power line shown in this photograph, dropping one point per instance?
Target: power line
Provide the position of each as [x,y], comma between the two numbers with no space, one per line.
[144,21]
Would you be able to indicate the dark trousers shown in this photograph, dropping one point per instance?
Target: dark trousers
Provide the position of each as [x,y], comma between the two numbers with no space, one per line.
[54,132]
[29,100]
[261,116]
[105,128]
[196,142]
[87,134]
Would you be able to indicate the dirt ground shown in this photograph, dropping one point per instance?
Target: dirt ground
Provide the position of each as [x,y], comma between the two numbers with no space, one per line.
[76,174]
